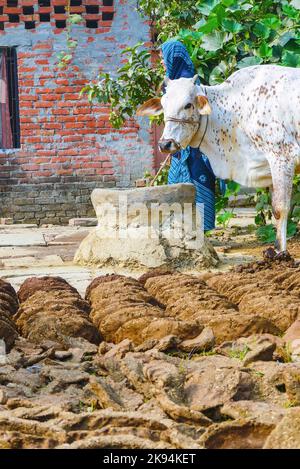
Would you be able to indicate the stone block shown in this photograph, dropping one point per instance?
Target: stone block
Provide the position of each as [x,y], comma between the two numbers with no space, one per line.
[83,222]
[147,227]
[6,221]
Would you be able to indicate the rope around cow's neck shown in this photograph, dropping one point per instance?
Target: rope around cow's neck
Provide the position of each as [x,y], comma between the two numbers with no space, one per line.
[190,121]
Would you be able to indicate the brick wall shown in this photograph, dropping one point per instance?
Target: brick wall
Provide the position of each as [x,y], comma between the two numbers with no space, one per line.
[67,146]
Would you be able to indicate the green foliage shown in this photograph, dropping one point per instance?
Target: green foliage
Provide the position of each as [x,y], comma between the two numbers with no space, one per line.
[225,214]
[221,36]
[266,232]
[240,354]
[136,81]
[288,404]
[161,180]
[286,353]
[225,35]
[65,57]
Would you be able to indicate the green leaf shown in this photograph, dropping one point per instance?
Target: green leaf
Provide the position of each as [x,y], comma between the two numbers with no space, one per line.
[290,11]
[266,233]
[232,26]
[292,229]
[283,39]
[75,19]
[249,61]
[261,30]
[207,6]
[259,219]
[292,46]
[224,218]
[296,214]
[214,41]
[232,188]
[296,198]
[265,50]
[221,203]
[228,3]
[209,26]
[67,57]
[72,44]
[218,74]
[271,21]
[290,60]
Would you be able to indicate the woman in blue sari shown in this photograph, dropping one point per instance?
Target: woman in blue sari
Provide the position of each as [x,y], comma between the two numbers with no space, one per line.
[190,165]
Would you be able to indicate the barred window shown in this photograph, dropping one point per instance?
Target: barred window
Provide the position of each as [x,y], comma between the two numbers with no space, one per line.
[9,103]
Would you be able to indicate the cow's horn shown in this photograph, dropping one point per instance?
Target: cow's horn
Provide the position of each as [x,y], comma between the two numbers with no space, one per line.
[195,78]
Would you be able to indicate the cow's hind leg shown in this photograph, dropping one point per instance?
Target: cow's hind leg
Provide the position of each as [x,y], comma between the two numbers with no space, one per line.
[282,170]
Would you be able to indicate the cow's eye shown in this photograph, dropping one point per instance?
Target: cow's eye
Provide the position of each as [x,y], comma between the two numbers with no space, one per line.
[188,106]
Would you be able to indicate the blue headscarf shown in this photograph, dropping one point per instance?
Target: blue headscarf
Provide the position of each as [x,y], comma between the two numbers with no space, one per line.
[190,165]
[177,60]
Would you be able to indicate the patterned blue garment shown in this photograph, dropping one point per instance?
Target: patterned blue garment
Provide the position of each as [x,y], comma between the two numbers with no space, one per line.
[190,165]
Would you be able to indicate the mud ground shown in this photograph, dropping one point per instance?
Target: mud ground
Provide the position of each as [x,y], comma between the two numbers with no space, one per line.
[28,250]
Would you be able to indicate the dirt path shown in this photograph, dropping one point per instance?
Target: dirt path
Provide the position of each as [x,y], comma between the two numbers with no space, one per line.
[26,250]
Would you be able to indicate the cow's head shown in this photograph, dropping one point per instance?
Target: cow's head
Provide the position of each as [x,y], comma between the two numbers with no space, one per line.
[182,105]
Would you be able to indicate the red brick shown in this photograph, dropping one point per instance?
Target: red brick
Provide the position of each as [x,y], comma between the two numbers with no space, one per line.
[52,126]
[43,104]
[44,90]
[42,45]
[72,96]
[24,97]
[67,89]
[73,138]
[33,139]
[60,112]
[70,152]
[42,61]
[50,97]
[46,152]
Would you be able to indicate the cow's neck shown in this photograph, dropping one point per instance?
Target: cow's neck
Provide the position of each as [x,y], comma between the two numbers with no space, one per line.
[212,123]
[214,136]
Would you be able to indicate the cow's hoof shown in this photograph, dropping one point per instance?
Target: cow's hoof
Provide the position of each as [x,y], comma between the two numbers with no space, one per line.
[269,254]
[283,256]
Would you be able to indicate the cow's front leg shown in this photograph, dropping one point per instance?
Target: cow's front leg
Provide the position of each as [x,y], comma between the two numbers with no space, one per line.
[282,176]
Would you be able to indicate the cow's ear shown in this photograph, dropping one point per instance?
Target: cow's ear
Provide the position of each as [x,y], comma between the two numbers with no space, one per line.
[203,105]
[152,107]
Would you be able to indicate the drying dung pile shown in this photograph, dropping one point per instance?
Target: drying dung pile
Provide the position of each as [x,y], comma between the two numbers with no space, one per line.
[8,307]
[186,297]
[166,361]
[267,292]
[123,309]
[51,309]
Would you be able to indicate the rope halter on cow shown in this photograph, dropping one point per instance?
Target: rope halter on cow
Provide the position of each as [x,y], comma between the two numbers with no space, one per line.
[189,121]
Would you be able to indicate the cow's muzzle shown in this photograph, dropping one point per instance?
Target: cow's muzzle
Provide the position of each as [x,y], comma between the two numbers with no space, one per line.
[168,146]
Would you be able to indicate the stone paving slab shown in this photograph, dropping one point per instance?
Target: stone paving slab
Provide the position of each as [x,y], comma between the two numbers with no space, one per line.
[16,251]
[6,226]
[22,239]
[51,260]
[83,222]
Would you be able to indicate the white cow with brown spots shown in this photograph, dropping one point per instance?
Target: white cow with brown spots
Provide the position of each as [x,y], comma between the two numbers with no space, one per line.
[249,127]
